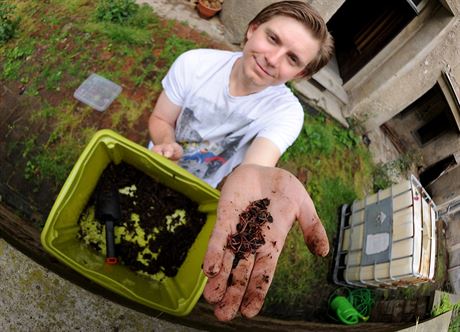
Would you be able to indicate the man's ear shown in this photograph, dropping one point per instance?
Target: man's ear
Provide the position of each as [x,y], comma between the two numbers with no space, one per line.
[301,75]
[253,27]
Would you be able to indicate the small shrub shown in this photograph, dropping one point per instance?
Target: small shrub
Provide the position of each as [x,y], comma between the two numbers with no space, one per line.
[116,11]
[8,25]
[387,174]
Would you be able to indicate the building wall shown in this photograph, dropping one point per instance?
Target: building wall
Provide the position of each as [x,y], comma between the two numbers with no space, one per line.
[408,67]
[405,70]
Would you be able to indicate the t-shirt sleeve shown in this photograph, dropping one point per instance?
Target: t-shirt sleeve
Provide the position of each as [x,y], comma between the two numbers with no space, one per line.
[284,128]
[177,79]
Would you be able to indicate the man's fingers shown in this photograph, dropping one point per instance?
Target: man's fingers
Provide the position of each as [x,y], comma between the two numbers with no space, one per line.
[162,150]
[216,286]
[227,215]
[237,283]
[261,278]
[170,151]
[316,239]
[215,252]
[315,236]
[313,230]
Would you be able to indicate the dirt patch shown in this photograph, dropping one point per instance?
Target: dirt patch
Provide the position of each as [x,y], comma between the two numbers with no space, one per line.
[30,133]
[157,227]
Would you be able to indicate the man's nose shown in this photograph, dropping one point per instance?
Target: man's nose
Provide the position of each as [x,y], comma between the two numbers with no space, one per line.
[274,57]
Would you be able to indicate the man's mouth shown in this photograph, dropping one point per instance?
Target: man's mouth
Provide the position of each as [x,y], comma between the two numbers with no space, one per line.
[262,68]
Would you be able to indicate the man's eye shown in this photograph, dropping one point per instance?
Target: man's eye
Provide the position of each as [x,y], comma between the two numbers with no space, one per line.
[293,59]
[272,38]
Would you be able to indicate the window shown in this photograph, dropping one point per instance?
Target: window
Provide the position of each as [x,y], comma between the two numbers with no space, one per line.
[361,29]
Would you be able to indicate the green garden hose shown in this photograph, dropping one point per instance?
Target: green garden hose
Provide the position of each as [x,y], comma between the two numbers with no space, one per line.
[350,307]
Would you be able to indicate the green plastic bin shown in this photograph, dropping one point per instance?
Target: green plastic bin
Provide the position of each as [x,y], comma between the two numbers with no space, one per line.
[177,295]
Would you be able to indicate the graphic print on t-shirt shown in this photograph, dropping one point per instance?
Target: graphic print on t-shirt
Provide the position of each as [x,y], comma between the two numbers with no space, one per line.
[203,157]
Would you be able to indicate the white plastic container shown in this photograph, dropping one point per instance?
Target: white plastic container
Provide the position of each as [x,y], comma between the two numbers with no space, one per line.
[98,92]
[388,239]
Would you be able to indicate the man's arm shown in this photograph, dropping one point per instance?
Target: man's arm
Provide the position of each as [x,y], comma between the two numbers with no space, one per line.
[162,124]
[262,152]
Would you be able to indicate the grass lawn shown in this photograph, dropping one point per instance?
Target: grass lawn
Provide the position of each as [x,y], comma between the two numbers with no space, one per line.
[59,43]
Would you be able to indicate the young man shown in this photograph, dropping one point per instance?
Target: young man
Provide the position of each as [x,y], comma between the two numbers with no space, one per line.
[223,109]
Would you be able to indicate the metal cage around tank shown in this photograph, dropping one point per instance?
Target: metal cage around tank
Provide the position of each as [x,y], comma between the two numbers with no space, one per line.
[387,239]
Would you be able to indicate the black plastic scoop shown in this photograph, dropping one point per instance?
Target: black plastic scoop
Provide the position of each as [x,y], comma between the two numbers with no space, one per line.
[108,212]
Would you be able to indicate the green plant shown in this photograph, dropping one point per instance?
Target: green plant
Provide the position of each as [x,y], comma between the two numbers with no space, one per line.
[316,137]
[116,11]
[14,59]
[381,177]
[143,18]
[346,137]
[29,144]
[30,171]
[53,79]
[444,306]
[121,34]
[8,25]
[387,174]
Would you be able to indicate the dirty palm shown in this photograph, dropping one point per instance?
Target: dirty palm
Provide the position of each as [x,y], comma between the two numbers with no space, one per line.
[244,286]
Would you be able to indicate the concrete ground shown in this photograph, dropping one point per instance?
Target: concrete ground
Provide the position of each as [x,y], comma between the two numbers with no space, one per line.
[33,298]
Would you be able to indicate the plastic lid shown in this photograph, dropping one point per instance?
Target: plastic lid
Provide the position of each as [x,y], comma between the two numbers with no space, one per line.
[97,92]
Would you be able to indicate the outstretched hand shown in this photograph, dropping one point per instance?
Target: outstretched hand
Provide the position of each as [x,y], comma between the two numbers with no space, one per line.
[244,287]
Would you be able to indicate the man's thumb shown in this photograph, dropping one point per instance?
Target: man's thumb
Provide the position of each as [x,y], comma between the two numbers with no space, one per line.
[314,234]
[316,239]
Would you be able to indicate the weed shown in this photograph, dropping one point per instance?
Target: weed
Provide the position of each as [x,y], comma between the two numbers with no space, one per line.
[121,34]
[32,91]
[146,71]
[116,11]
[346,137]
[30,171]
[387,174]
[53,79]
[445,305]
[29,145]
[15,58]
[144,18]
[8,24]
[315,137]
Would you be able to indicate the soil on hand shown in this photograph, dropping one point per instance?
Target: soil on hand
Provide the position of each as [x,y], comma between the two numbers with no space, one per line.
[249,237]
[158,225]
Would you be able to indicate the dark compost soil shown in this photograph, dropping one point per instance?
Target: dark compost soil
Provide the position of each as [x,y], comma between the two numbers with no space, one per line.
[152,202]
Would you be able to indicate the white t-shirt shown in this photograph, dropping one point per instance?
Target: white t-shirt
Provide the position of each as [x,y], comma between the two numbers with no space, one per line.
[214,128]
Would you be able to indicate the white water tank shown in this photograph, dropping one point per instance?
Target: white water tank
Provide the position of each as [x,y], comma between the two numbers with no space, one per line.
[387,239]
